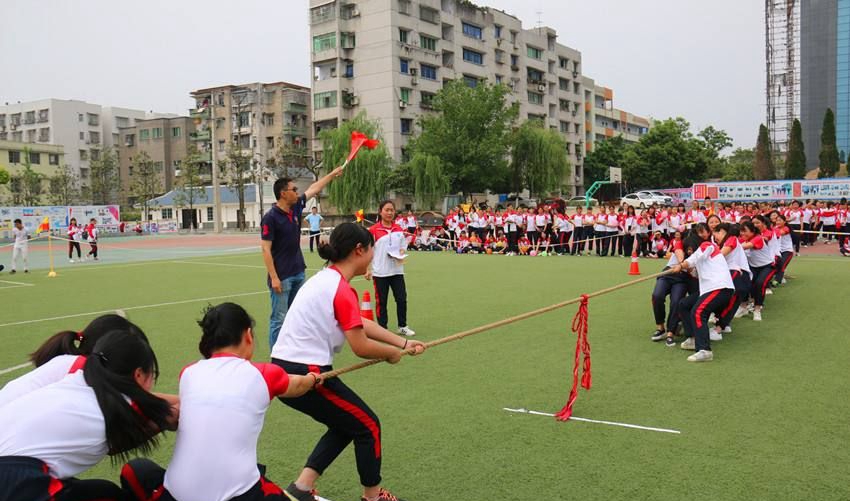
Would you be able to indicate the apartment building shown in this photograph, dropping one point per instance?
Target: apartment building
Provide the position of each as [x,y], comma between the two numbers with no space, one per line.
[166,142]
[603,120]
[259,117]
[389,58]
[81,128]
[45,159]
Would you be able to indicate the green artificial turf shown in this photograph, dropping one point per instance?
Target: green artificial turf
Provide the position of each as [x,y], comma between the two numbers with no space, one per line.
[768,419]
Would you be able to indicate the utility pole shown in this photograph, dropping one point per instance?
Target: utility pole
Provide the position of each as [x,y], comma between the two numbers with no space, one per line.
[259,175]
[215,172]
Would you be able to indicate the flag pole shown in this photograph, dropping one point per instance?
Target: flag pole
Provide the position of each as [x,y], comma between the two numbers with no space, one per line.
[51,273]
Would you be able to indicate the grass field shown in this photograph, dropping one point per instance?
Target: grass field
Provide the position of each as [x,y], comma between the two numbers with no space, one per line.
[768,419]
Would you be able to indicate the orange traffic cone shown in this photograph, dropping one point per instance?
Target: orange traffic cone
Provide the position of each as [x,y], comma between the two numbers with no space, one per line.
[366,306]
[634,269]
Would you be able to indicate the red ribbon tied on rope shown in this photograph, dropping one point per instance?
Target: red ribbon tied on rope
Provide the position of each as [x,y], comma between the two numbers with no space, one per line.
[359,139]
[582,349]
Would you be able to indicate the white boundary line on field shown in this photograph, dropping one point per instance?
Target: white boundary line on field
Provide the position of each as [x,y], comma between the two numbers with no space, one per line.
[129,308]
[16,283]
[229,265]
[15,368]
[596,421]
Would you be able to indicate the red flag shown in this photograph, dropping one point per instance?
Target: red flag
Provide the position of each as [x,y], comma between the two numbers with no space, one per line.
[359,139]
[44,226]
[360,216]
[582,348]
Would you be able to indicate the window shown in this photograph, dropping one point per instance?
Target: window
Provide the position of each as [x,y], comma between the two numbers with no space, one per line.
[565,127]
[535,98]
[535,53]
[82,136]
[268,118]
[472,31]
[324,42]
[53,159]
[471,82]
[175,132]
[347,40]
[405,95]
[323,13]
[428,72]
[31,136]
[17,136]
[270,142]
[129,139]
[534,76]
[144,134]
[429,15]
[43,115]
[563,84]
[428,43]
[324,100]
[95,154]
[35,158]
[426,99]
[14,157]
[94,120]
[349,70]
[407,126]
[499,79]
[84,154]
[121,122]
[94,137]
[403,35]
[79,117]
[514,61]
[209,213]
[157,166]
[156,132]
[563,63]
[497,31]
[221,145]
[404,6]
[473,57]
[404,65]
[166,213]
[29,118]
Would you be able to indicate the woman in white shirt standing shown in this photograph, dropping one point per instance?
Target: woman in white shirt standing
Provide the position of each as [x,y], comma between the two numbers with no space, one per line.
[388,267]
[75,235]
[323,318]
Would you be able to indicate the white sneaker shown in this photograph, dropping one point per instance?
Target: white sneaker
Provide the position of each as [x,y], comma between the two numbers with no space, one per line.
[701,356]
[712,319]
[688,344]
[757,316]
[406,331]
[70,260]
[727,329]
[784,281]
[715,335]
[742,312]
[768,292]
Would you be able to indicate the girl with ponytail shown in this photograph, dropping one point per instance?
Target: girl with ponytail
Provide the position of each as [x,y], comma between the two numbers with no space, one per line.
[50,435]
[63,353]
[324,316]
[225,398]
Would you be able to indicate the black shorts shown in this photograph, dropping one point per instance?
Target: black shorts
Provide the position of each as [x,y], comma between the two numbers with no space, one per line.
[28,479]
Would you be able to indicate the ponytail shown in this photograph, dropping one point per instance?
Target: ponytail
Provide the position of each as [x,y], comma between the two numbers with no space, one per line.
[81,343]
[110,372]
[344,239]
[223,326]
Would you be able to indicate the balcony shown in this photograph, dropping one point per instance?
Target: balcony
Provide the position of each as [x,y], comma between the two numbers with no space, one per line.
[206,156]
[294,130]
[200,135]
[295,108]
[200,115]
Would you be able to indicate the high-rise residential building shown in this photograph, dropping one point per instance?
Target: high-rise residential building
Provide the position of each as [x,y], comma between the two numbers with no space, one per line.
[166,142]
[263,119]
[83,129]
[604,121]
[824,72]
[389,58]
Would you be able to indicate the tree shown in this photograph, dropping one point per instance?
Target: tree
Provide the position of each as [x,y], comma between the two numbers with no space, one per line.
[189,184]
[4,176]
[668,155]
[795,160]
[828,158]
[430,182]
[64,187]
[763,165]
[365,179]
[26,185]
[739,165]
[146,182]
[716,140]
[538,158]
[288,156]
[470,132]
[238,174]
[105,181]
[605,154]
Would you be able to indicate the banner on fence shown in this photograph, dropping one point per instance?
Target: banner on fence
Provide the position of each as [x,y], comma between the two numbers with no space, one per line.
[107,216]
[781,190]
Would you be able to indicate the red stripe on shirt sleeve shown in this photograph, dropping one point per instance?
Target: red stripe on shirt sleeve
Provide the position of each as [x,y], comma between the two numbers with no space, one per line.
[276,378]
[346,309]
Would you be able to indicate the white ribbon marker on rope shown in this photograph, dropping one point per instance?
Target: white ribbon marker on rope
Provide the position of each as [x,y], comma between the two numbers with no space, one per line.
[596,421]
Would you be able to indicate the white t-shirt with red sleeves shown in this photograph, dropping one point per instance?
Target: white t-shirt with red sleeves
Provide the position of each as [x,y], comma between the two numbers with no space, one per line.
[737,258]
[389,242]
[760,254]
[223,403]
[48,373]
[784,236]
[827,217]
[314,329]
[711,268]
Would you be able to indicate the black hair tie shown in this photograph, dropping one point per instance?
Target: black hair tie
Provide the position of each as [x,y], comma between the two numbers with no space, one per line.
[102,357]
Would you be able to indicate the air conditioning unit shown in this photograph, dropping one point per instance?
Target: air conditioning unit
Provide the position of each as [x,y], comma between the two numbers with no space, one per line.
[355,13]
[575,74]
[498,42]
[13,127]
[575,112]
[413,72]
[355,101]
[402,104]
[414,80]
[541,87]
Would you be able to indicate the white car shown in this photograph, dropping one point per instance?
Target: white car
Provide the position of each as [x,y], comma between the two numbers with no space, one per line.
[644,199]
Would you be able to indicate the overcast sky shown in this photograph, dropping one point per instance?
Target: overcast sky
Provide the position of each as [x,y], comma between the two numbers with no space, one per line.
[703,60]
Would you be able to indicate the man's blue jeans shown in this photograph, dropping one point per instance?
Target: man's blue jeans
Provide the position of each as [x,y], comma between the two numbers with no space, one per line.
[281,303]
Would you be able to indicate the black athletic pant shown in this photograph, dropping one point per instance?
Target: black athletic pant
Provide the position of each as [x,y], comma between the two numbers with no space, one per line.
[314,236]
[676,286]
[564,242]
[695,311]
[93,251]
[142,480]
[761,279]
[578,240]
[71,247]
[795,236]
[742,292]
[830,229]
[782,265]
[533,236]
[512,241]
[348,419]
[382,291]
[27,479]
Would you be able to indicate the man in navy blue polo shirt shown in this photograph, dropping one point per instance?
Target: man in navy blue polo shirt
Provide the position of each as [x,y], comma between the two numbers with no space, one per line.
[281,242]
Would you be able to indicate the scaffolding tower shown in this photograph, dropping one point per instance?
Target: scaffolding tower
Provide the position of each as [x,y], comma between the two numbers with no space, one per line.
[782,52]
